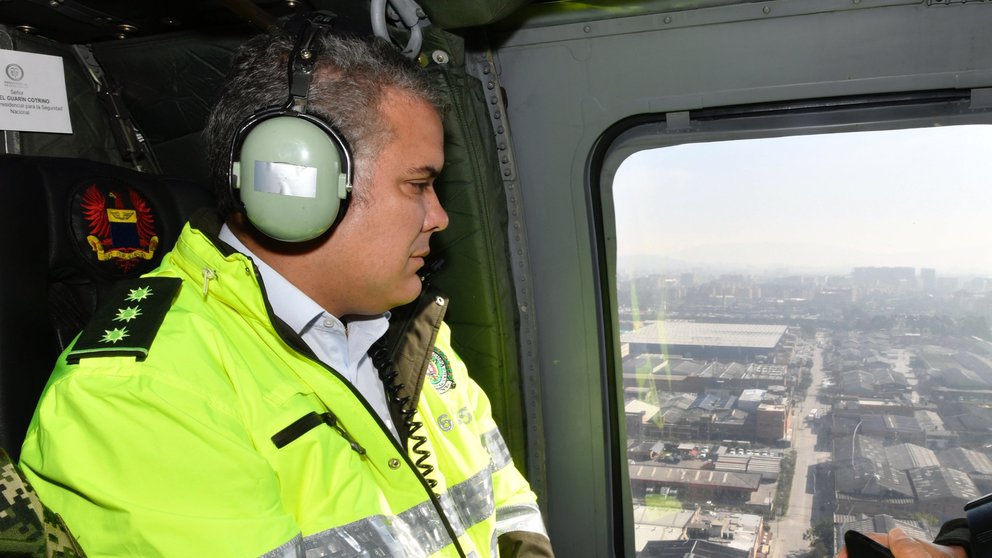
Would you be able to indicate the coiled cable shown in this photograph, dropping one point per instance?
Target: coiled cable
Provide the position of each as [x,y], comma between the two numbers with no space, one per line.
[388,373]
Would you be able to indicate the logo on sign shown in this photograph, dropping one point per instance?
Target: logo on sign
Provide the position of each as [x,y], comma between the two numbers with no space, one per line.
[14,72]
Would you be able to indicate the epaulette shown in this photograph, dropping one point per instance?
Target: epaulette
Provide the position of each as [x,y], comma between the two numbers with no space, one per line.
[129,319]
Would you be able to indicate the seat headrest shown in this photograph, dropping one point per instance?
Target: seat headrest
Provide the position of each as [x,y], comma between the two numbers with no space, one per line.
[73,228]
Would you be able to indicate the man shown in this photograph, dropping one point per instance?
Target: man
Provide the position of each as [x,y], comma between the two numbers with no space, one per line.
[252,421]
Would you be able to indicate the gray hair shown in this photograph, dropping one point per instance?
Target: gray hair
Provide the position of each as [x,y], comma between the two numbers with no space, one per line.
[352,77]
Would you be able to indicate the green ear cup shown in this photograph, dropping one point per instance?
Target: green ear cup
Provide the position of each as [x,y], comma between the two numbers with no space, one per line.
[291,178]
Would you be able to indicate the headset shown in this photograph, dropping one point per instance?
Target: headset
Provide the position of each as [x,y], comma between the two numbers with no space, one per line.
[292,171]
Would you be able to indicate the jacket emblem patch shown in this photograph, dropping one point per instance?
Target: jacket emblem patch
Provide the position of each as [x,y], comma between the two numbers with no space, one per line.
[121,226]
[439,372]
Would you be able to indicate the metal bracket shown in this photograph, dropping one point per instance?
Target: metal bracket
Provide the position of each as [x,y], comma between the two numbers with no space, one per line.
[678,121]
[482,66]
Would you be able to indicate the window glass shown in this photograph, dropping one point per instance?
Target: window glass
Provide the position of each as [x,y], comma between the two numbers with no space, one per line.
[805,337]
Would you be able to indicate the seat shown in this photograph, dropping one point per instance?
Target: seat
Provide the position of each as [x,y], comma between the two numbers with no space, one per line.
[75,227]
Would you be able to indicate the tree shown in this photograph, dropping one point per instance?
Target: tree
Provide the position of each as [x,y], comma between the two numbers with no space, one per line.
[787,471]
[821,539]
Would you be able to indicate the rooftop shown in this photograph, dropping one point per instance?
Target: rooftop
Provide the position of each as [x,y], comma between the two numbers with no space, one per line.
[757,336]
[967,460]
[910,456]
[931,483]
[694,477]
[694,548]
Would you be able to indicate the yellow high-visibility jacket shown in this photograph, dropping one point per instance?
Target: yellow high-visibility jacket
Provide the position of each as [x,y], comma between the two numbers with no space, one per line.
[185,421]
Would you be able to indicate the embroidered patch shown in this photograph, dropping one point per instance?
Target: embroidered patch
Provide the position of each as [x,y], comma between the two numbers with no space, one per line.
[439,372]
[120,225]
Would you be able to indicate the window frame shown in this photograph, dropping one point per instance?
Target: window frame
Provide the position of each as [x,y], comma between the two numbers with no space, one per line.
[894,111]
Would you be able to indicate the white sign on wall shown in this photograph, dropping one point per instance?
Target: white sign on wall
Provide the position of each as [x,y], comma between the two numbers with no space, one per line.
[32,93]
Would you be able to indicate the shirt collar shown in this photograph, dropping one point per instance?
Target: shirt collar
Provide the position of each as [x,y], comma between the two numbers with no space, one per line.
[288,302]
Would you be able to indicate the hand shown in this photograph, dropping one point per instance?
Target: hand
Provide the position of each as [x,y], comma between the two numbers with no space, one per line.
[904,546]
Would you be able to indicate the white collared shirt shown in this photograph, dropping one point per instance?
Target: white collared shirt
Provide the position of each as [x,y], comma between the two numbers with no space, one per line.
[343,348]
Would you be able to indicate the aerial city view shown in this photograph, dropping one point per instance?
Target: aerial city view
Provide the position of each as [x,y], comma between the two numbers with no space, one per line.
[788,373]
[766,416]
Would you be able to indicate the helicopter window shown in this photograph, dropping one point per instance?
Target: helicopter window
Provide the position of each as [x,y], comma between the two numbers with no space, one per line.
[804,336]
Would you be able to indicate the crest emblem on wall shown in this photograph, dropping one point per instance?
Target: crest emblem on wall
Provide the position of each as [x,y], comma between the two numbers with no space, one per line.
[121,226]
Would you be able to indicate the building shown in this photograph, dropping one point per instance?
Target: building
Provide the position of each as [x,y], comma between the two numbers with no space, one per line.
[733,530]
[651,371]
[860,406]
[771,423]
[658,524]
[967,460]
[767,466]
[750,399]
[938,436]
[693,548]
[640,416]
[904,457]
[893,429]
[741,342]
[736,377]
[885,278]
[866,473]
[696,485]
[944,491]
[928,279]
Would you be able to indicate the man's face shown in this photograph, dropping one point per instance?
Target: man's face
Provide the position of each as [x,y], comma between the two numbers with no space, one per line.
[372,257]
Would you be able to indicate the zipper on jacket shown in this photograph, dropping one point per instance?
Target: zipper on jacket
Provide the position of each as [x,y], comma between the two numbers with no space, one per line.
[208,276]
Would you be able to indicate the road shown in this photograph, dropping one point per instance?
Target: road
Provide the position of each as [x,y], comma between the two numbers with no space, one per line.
[787,540]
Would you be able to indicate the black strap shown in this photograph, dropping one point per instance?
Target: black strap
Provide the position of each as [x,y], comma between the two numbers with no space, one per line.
[303,59]
[979,512]
[955,533]
[305,28]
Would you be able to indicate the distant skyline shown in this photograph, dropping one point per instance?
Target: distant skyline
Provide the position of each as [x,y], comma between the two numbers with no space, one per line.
[917,198]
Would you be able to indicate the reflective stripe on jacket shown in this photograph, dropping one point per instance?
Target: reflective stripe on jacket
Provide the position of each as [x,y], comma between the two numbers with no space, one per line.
[175,455]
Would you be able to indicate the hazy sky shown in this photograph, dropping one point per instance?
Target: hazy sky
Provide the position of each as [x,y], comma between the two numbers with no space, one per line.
[917,198]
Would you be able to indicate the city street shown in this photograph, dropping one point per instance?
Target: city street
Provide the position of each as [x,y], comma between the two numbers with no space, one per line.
[787,540]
